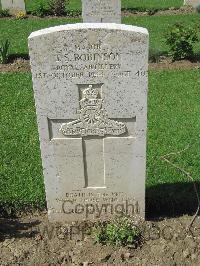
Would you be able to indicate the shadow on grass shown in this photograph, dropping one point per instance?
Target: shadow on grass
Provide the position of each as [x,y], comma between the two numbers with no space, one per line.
[171,200]
[13,228]
[13,210]
[155,55]
[196,58]
[13,57]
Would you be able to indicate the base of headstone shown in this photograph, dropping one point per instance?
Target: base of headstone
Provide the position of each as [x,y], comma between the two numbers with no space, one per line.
[14,6]
[193,3]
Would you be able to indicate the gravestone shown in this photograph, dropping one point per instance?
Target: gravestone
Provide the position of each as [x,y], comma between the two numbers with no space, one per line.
[193,3]
[14,6]
[101,11]
[90,87]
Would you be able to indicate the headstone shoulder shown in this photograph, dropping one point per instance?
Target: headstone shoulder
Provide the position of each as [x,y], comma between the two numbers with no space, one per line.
[79,26]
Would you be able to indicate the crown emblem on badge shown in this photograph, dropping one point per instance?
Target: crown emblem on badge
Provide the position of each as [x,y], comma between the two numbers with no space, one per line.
[90,97]
[90,92]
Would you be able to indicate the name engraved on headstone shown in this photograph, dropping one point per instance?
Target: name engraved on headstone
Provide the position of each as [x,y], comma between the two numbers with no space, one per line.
[91,61]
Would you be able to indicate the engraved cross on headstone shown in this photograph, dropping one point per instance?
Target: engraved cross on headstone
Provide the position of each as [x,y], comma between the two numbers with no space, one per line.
[93,126]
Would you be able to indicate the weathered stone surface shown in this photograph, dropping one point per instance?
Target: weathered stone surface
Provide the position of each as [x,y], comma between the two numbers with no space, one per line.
[101,11]
[14,6]
[193,3]
[90,86]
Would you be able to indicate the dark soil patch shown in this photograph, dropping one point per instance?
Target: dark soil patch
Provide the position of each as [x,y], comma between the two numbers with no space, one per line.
[173,11]
[18,65]
[22,65]
[24,241]
[166,63]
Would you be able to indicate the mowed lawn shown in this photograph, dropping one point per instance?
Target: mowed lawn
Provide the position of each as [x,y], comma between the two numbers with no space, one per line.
[17,31]
[130,4]
[173,125]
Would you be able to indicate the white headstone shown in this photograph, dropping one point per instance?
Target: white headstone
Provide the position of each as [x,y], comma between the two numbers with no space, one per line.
[194,3]
[13,6]
[90,86]
[101,11]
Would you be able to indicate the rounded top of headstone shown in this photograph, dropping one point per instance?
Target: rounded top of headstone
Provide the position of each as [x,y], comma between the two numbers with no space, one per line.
[78,26]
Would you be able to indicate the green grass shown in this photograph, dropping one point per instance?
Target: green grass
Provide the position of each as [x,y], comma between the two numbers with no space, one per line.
[158,26]
[151,4]
[173,124]
[130,4]
[17,31]
[21,178]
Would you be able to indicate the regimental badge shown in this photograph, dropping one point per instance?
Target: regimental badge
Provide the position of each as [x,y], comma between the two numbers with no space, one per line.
[93,118]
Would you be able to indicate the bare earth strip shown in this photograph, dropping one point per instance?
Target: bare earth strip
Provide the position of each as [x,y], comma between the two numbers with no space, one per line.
[31,240]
